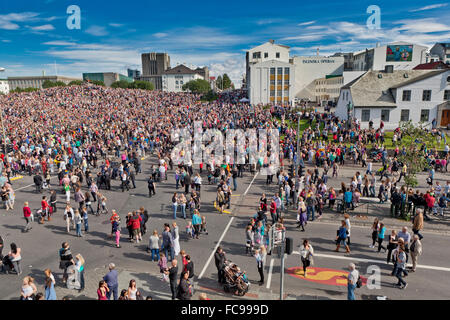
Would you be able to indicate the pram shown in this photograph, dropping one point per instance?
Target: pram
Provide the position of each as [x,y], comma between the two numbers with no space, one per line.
[236,280]
[74,278]
[6,265]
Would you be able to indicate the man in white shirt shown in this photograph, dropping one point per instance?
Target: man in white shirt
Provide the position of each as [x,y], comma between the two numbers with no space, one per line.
[351,281]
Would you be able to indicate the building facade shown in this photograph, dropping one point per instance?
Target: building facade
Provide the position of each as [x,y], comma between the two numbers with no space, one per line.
[272,83]
[108,78]
[153,67]
[401,55]
[35,82]
[4,86]
[397,96]
[174,79]
[328,88]
[133,74]
[441,50]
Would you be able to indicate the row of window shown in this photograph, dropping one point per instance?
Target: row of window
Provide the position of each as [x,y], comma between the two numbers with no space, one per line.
[426,95]
[257,55]
[404,115]
[279,82]
[279,71]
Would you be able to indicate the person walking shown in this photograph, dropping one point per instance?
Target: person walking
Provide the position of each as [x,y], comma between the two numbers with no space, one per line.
[77,220]
[176,239]
[27,216]
[15,256]
[175,205]
[85,218]
[196,222]
[260,265]
[154,245]
[151,186]
[301,215]
[348,226]
[50,293]
[393,243]
[184,290]
[112,281]
[220,260]
[418,223]
[68,216]
[172,272]
[374,228]
[415,251]
[66,259]
[341,237]
[306,255]
[352,279]
[400,267]
[167,242]
[380,237]
[116,229]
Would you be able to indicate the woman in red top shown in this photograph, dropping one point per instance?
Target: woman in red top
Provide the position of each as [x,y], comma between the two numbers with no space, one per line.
[27,216]
[46,210]
[102,290]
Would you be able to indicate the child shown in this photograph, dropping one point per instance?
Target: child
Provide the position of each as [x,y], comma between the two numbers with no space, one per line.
[249,239]
[203,226]
[190,230]
[162,263]
[320,205]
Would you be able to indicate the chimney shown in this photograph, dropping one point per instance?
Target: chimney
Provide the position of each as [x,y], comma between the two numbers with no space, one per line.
[318,51]
[271,41]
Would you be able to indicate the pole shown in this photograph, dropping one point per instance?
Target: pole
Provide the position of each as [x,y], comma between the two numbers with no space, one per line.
[298,144]
[3,128]
[283,256]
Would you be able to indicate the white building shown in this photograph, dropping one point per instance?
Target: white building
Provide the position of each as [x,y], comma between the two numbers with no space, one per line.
[35,81]
[271,83]
[441,51]
[401,55]
[4,86]
[328,88]
[266,84]
[310,68]
[400,95]
[174,79]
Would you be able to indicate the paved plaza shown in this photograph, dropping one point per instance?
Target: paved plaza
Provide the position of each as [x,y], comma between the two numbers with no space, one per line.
[40,246]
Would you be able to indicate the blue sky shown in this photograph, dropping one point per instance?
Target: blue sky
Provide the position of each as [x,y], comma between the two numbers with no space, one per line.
[113,34]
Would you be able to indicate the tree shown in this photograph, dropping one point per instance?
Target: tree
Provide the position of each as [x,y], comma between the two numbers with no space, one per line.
[219,82]
[197,86]
[97,82]
[75,83]
[144,85]
[210,96]
[413,146]
[120,84]
[226,81]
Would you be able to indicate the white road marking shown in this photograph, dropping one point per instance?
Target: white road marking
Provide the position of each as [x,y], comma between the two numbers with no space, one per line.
[217,245]
[245,193]
[331,256]
[24,187]
[269,278]
[223,234]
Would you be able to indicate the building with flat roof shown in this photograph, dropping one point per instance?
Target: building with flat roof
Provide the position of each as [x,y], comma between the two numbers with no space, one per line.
[400,55]
[153,66]
[441,50]
[133,73]
[108,78]
[35,81]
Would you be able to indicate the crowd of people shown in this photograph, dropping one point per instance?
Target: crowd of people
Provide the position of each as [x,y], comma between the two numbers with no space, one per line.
[92,138]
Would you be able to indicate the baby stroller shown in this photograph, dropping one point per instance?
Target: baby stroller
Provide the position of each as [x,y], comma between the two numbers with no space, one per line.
[6,265]
[236,280]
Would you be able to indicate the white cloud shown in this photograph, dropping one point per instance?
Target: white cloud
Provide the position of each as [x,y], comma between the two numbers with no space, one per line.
[306,37]
[307,23]
[160,35]
[116,25]
[7,20]
[97,31]
[59,43]
[45,27]
[6,40]
[422,26]
[433,6]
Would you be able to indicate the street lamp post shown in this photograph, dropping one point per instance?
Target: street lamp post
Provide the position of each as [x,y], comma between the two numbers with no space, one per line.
[1,119]
[297,163]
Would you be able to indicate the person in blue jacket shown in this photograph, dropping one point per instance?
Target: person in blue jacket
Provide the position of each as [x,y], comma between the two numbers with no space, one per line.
[341,237]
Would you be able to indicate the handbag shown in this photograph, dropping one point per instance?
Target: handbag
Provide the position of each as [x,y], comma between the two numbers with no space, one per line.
[359,282]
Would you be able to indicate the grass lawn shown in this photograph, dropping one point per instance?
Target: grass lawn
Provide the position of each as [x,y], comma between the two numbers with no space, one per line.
[304,124]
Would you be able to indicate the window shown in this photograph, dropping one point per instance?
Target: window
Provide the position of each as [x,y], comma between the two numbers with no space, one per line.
[256,55]
[365,115]
[426,96]
[404,116]
[272,71]
[266,54]
[286,70]
[424,115]
[279,82]
[280,71]
[272,93]
[272,82]
[447,56]
[286,93]
[385,115]
[286,81]
[446,95]
[176,81]
[278,55]
[406,95]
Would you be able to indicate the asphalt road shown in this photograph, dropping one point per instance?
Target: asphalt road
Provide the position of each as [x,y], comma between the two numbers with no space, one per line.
[40,246]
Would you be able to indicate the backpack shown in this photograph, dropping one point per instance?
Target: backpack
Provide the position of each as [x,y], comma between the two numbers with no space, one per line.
[359,282]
